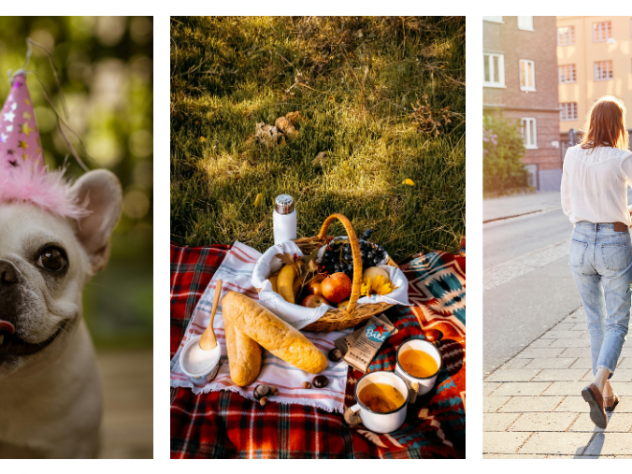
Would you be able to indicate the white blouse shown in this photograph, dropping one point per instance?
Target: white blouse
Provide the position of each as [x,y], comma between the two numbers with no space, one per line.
[594,184]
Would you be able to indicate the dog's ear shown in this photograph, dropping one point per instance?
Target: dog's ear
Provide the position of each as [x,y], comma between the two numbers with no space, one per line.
[102,193]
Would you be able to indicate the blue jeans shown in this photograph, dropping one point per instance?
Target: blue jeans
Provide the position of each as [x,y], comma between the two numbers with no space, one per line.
[601,262]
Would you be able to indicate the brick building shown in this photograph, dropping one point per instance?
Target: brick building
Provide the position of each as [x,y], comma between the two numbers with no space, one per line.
[594,54]
[521,82]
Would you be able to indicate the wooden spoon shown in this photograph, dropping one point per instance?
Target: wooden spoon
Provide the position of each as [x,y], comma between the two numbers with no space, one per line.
[208,341]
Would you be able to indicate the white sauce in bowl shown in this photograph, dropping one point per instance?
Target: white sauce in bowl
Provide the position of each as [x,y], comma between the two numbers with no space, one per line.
[196,362]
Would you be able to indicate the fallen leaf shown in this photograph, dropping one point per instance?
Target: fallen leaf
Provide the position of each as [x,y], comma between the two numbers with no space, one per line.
[258,199]
[314,254]
[375,438]
[409,182]
[300,78]
[320,159]
[295,117]
[285,258]
[202,139]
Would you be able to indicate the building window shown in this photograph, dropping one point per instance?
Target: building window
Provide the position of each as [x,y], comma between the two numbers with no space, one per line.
[495,19]
[603,70]
[527,75]
[568,111]
[525,23]
[602,31]
[565,35]
[567,73]
[529,134]
[493,70]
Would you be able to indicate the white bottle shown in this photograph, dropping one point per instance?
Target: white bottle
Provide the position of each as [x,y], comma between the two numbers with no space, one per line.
[284,219]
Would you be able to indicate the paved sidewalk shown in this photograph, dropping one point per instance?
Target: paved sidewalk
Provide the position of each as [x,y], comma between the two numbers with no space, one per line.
[505,206]
[533,407]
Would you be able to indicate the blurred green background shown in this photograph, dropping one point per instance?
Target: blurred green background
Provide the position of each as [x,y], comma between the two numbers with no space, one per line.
[105,67]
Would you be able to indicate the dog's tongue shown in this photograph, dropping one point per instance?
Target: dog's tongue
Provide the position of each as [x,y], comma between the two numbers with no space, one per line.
[7,326]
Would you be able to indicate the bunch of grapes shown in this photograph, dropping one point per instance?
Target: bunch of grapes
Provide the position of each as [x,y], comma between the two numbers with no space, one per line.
[339,258]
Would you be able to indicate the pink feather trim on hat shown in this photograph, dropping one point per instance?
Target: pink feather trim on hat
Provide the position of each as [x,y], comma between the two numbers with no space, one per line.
[50,191]
[23,174]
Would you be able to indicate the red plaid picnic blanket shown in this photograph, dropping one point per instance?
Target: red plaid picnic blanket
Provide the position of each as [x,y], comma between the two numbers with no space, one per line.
[225,425]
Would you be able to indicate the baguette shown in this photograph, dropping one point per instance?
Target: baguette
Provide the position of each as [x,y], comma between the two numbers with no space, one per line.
[273,333]
[244,354]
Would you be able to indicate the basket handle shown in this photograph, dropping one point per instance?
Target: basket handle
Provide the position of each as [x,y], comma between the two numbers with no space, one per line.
[355,252]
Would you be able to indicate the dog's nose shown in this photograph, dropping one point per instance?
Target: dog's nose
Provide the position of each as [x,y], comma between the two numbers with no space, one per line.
[8,273]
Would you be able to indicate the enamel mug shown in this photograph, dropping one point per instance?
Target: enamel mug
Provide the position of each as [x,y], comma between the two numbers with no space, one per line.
[425,383]
[379,422]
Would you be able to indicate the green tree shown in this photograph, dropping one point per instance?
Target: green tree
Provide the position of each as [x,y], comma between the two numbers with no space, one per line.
[503,150]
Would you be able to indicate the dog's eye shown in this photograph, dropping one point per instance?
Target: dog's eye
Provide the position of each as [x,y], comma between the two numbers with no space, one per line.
[52,259]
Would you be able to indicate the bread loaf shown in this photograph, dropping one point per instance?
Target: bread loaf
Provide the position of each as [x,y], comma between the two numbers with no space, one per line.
[273,333]
[244,354]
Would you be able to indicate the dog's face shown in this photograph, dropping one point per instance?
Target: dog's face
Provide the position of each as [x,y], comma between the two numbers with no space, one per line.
[45,260]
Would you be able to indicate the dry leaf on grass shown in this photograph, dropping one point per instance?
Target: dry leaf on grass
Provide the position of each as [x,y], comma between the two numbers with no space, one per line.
[295,117]
[320,159]
[428,120]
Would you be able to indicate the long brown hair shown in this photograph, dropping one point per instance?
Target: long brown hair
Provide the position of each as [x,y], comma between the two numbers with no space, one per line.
[605,124]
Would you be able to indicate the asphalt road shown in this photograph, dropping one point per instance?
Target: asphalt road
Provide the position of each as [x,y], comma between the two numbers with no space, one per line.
[528,285]
[511,238]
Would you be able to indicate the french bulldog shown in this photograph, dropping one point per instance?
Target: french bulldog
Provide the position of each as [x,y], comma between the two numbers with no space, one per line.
[50,389]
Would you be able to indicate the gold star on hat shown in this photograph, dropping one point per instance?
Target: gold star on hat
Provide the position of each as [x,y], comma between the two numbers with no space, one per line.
[25,129]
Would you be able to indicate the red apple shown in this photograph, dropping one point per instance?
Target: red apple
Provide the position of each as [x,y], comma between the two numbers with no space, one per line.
[314,287]
[314,301]
[337,287]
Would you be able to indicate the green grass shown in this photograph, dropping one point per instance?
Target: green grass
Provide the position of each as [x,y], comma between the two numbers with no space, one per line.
[364,75]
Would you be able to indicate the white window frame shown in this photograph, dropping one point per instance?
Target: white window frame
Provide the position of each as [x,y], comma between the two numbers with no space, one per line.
[501,70]
[567,73]
[568,112]
[598,66]
[530,142]
[568,35]
[602,31]
[529,86]
[528,26]
[493,19]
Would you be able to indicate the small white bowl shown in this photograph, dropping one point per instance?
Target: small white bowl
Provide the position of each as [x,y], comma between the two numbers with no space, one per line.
[198,363]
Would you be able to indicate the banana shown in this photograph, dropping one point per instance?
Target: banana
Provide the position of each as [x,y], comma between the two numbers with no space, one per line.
[285,283]
[296,287]
[344,304]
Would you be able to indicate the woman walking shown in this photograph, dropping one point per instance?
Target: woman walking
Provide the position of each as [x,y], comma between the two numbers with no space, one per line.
[594,197]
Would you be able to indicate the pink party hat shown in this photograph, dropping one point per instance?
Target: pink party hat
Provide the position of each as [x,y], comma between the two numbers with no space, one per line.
[24,176]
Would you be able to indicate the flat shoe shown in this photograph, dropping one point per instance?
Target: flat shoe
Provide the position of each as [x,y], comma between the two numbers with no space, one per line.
[610,403]
[593,397]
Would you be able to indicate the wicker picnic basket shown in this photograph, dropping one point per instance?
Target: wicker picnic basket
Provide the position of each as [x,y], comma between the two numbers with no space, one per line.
[342,318]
